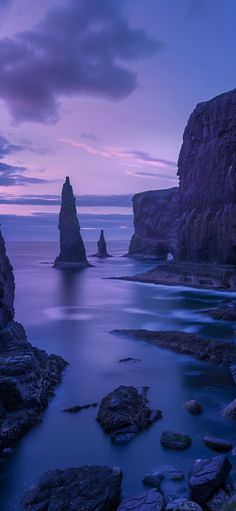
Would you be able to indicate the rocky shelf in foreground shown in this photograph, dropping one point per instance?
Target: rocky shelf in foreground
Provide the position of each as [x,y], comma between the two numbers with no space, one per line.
[202,276]
[28,376]
[207,350]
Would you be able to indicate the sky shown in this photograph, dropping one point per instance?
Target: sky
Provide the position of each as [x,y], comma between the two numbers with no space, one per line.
[101,90]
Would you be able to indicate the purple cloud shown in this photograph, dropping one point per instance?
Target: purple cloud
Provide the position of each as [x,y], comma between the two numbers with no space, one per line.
[81,47]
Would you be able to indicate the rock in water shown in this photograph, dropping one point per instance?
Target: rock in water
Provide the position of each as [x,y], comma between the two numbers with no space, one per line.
[27,375]
[156,215]
[124,413]
[72,251]
[94,488]
[174,440]
[207,172]
[102,247]
[230,411]
[207,476]
[149,500]
[217,444]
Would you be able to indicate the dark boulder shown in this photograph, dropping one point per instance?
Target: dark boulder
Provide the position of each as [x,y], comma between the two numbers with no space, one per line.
[207,476]
[87,488]
[124,413]
[230,411]
[150,500]
[193,407]
[183,505]
[72,251]
[174,440]
[217,444]
[102,247]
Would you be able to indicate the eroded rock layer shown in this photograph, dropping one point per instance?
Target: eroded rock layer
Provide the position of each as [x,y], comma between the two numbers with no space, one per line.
[156,216]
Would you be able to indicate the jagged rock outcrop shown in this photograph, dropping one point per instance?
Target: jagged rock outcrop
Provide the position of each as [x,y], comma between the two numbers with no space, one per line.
[102,247]
[207,172]
[156,216]
[27,375]
[72,251]
[94,488]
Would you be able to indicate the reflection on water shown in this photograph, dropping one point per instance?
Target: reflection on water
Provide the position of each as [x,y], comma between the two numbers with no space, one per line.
[72,315]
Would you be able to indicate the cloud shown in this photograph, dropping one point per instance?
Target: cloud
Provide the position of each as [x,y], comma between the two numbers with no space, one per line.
[153,175]
[80,47]
[120,201]
[15,176]
[134,159]
[90,136]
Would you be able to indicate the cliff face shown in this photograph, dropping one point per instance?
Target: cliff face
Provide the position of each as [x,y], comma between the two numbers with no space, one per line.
[72,250]
[207,172]
[156,216]
[27,374]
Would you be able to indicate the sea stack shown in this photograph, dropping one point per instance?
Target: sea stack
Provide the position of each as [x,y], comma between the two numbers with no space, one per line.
[156,216]
[72,251]
[27,374]
[102,247]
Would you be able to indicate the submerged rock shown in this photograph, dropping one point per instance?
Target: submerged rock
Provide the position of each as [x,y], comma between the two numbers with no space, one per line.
[193,407]
[183,505]
[93,488]
[230,411]
[155,478]
[217,444]
[72,251]
[102,247]
[156,215]
[174,440]
[207,476]
[78,408]
[208,350]
[149,500]
[124,413]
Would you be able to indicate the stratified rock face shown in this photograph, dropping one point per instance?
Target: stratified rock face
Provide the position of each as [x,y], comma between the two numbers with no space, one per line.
[93,488]
[102,246]
[156,216]
[27,375]
[72,250]
[7,286]
[207,172]
[149,500]
[207,476]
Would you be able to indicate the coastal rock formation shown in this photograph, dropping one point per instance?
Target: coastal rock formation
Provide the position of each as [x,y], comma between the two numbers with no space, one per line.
[27,375]
[207,476]
[207,350]
[149,500]
[174,440]
[72,251]
[102,247]
[124,413]
[94,488]
[156,215]
[207,173]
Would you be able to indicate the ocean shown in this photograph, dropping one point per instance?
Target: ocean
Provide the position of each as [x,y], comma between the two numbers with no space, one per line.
[72,314]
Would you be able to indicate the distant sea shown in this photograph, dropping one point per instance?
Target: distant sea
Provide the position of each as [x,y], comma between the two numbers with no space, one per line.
[72,314]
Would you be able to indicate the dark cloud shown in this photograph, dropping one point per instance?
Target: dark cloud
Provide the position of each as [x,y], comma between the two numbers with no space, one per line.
[81,47]
[82,201]
[16,176]
[44,226]
[153,175]
[7,147]
[145,157]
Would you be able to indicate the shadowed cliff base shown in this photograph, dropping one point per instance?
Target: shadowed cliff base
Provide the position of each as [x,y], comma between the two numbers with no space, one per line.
[202,276]
[207,350]
[72,254]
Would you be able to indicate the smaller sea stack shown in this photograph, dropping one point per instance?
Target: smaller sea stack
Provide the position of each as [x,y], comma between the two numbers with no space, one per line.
[102,246]
[72,251]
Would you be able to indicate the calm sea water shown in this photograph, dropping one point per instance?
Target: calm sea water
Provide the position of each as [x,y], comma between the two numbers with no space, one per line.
[72,315]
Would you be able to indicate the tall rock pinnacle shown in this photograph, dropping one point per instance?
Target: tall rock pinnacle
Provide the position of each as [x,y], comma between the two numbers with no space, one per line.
[72,251]
[102,246]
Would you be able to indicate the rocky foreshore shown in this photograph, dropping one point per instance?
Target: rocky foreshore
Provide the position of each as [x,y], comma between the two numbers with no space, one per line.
[184,343]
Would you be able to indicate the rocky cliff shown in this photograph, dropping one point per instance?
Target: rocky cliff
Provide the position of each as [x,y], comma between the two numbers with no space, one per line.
[156,216]
[102,247]
[27,375]
[72,251]
[207,172]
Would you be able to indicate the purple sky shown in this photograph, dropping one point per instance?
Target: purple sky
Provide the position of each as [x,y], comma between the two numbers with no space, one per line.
[101,90]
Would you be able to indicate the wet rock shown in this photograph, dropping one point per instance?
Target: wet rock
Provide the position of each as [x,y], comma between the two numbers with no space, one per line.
[72,251]
[193,407]
[28,375]
[155,478]
[217,444]
[102,247]
[94,488]
[183,505]
[150,500]
[230,411]
[78,408]
[233,372]
[207,350]
[207,476]
[217,502]
[129,359]
[175,440]
[156,216]
[124,413]
[224,312]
